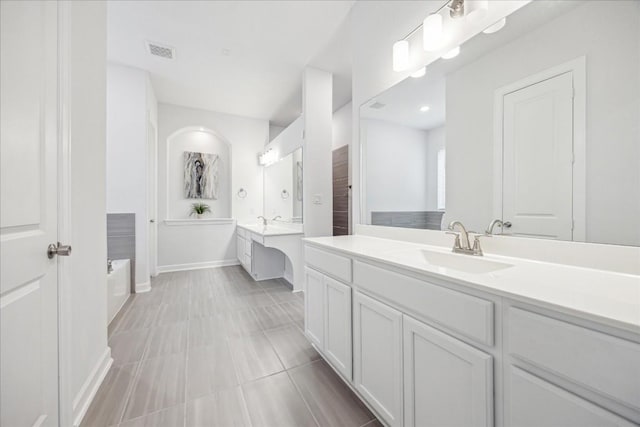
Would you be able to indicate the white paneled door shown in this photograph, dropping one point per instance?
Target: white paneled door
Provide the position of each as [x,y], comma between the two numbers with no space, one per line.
[28,221]
[538,159]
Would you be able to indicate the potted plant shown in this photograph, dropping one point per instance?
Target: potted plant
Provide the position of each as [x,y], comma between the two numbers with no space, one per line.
[199,209]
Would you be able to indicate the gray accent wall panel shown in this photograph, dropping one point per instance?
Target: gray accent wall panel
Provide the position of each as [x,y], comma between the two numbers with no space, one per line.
[429,220]
[121,240]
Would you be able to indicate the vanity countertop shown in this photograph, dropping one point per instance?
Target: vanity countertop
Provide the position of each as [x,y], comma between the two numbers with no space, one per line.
[603,296]
[271,229]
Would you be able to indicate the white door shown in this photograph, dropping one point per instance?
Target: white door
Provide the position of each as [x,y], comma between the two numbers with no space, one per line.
[446,382]
[538,159]
[337,325]
[152,201]
[314,307]
[28,220]
[377,356]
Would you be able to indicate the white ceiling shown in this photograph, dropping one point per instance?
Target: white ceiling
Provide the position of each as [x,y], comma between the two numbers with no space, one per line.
[269,44]
[403,101]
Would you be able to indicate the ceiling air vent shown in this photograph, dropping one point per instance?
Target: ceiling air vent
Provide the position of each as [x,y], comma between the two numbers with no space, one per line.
[156,49]
[377,105]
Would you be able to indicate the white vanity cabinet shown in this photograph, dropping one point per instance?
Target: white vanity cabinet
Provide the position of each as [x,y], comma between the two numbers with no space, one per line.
[446,381]
[378,356]
[328,319]
[429,352]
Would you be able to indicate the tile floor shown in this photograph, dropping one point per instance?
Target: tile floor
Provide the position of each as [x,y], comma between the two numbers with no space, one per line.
[214,348]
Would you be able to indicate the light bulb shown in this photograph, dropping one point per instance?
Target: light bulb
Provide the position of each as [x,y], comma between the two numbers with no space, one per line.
[452,53]
[400,55]
[495,27]
[432,32]
[477,10]
[419,73]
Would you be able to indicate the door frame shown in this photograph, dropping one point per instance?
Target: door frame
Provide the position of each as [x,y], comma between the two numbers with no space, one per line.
[577,67]
[65,397]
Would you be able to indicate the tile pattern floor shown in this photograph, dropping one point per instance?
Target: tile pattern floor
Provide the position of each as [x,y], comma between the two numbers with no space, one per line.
[215,348]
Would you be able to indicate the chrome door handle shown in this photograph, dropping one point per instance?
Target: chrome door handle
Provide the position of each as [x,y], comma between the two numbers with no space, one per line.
[62,250]
[152,221]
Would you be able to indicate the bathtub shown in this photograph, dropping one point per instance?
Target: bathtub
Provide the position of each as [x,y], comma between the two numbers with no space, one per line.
[118,287]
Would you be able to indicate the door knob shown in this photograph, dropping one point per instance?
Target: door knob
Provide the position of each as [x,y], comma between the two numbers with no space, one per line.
[152,221]
[62,250]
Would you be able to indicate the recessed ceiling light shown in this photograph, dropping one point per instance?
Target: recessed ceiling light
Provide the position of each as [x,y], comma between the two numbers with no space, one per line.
[225,52]
[419,73]
[452,53]
[424,108]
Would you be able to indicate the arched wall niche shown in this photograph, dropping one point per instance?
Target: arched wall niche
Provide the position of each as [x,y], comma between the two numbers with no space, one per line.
[200,140]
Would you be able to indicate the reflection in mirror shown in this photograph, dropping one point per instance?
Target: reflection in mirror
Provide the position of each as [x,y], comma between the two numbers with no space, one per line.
[539,123]
[283,188]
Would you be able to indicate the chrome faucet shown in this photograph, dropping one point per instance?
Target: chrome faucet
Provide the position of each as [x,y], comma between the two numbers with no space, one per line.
[499,223]
[461,244]
[276,217]
[264,220]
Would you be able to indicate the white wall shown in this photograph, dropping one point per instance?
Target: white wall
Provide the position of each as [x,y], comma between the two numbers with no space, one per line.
[401,165]
[274,131]
[435,143]
[600,32]
[317,113]
[210,243]
[86,133]
[131,106]
[342,122]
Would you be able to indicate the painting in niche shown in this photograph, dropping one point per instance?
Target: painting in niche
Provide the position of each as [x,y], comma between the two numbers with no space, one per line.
[201,175]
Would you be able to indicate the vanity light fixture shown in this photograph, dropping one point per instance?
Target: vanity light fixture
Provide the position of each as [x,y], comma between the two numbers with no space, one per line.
[432,32]
[401,55]
[424,108]
[477,9]
[493,28]
[456,9]
[419,73]
[452,53]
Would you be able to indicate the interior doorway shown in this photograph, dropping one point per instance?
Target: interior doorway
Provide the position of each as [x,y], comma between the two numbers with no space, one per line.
[341,191]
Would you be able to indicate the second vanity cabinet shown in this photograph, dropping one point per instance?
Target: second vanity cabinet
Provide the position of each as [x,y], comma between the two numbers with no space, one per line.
[425,353]
[328,319]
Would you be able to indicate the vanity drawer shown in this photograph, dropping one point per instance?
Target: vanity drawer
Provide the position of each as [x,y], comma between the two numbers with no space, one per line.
[468,315]
[336,265]
[599,362]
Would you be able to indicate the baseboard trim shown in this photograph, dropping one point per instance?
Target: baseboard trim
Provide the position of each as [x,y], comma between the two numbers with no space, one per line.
[88,391]
[197,265]
[143,287]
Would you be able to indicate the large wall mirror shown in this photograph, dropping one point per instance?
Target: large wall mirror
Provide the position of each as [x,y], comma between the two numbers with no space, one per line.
[283,188]
[537,125]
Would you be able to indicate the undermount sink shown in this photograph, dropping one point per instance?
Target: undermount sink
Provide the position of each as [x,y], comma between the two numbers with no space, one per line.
[462,263]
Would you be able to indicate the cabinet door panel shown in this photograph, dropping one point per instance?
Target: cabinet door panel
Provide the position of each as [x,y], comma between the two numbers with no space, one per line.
[447,382]
[314,307]
[378,356]
[533,402]
[337,338]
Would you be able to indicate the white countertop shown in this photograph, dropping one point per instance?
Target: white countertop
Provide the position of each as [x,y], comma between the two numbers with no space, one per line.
[603,296]
[271,229]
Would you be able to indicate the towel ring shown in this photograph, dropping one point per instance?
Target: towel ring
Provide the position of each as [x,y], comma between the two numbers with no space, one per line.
[284,194]
[242,193]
